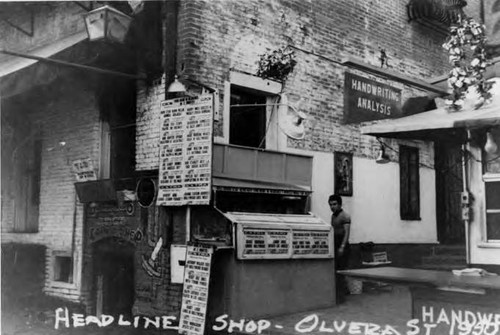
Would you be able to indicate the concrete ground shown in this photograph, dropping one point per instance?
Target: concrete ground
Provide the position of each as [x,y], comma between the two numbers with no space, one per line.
[384,310]
[375,311]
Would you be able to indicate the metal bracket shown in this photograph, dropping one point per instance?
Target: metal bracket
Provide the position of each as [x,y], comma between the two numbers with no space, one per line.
[29,32]
[79,4]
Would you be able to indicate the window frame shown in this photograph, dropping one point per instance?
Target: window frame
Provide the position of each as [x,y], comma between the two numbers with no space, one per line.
[489,177]
[408,213]
[271,89]
[54,274]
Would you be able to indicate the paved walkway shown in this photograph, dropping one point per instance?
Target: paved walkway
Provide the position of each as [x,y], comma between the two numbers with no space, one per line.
[386,310]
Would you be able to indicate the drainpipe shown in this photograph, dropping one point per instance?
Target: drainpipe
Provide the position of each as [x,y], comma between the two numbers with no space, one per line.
[170,37]
[465,148]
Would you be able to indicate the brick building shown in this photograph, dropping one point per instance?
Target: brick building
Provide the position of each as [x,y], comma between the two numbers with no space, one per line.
[340,48]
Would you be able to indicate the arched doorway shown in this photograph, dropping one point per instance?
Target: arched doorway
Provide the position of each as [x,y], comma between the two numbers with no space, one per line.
[114,287]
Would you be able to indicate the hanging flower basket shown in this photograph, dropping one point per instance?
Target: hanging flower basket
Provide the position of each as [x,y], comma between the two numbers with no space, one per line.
[277,64]
[467,33]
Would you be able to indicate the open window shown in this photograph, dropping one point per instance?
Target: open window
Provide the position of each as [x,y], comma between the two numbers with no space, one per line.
[247,118]
[250,111]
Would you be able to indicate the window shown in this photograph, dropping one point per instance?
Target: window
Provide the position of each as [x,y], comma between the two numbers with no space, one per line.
[63,268]
[27,197]
[492,194]
[409,183]
[250,117]
[247,123]
[491,179]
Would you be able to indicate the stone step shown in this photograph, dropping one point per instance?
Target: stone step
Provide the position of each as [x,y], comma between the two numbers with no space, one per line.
[444,259]
[442,267]
[448,250]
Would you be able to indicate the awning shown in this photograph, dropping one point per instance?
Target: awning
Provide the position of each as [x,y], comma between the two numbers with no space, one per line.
[18,74]
[12,64]
[254,186]
[441,118]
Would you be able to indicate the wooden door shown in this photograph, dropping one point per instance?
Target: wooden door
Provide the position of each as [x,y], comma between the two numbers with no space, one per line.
[448,165]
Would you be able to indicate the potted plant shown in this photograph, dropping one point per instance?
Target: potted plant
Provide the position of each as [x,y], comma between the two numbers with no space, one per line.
[277,64]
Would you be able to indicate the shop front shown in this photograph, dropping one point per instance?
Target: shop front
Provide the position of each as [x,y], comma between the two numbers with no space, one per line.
[271,255]
[475,290]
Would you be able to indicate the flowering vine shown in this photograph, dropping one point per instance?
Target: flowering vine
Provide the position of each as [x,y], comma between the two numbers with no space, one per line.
[277,64]
[467,32]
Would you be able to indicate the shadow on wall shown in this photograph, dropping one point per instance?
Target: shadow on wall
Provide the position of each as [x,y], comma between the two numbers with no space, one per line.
[23,273]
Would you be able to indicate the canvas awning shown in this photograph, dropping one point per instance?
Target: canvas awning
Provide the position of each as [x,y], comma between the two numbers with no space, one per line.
[441,118]
[18,73]
[12,64]
[255,186]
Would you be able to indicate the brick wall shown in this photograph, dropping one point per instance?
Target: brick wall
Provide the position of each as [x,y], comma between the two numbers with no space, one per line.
[216,36]
[65,113]
[148,124]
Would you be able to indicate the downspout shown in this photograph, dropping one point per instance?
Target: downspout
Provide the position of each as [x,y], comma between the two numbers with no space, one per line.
[465,187]
[171,35]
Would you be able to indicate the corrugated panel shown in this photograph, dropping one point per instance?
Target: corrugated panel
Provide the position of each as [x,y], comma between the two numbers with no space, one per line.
[275,219]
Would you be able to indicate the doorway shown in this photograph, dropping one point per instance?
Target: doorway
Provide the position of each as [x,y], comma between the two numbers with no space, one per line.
[114,286]
[448,165]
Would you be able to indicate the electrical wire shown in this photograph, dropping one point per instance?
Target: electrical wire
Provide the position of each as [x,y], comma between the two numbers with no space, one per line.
[451,167]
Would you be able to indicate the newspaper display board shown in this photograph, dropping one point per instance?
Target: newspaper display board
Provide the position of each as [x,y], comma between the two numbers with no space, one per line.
[195,292]
[185,171]
[283,242]
[269,243]
[310,242]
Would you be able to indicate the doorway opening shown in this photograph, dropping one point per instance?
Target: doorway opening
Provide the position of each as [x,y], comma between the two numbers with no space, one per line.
[114,285]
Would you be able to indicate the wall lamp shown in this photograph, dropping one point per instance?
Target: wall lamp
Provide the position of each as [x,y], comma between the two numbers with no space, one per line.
[382,157]
[107,24]
[177,86]
[102,24]
[490,146]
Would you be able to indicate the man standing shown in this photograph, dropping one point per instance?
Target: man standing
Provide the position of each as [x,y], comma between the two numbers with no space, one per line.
[341,223]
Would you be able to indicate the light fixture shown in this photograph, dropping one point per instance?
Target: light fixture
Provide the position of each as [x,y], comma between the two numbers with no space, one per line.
[382,158]
[107,23]
[176,86]
[490,147]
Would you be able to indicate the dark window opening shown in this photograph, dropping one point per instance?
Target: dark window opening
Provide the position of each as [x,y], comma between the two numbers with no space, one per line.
[247,124]
[261,203]
[409,183]
[118,108]
[63,269]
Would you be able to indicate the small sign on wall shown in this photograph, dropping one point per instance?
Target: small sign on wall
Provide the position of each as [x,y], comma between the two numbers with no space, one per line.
[343,173]
[84,170]
[177,263]
[366,99]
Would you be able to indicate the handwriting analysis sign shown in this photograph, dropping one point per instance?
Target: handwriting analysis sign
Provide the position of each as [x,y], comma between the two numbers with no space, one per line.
[185,170]
[195,291]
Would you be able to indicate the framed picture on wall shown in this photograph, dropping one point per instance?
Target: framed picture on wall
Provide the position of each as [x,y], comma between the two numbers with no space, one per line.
[343,173]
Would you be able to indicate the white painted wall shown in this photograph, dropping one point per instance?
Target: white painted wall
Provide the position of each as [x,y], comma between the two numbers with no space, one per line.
[374,206]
